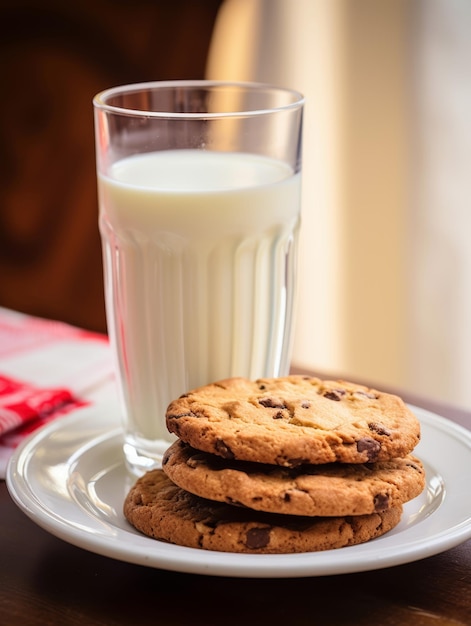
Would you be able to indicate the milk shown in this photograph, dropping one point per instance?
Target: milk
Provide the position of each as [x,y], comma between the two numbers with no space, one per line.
[199,256]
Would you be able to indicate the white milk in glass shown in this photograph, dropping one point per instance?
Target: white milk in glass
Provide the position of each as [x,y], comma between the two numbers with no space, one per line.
[199,256]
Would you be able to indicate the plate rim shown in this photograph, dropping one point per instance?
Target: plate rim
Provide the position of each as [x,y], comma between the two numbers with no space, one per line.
[191,560]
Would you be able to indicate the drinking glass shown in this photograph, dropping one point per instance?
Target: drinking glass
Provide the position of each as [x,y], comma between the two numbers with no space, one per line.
[199,214]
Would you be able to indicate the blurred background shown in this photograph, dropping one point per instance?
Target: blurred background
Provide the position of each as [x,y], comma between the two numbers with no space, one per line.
[54,57]
[385,266]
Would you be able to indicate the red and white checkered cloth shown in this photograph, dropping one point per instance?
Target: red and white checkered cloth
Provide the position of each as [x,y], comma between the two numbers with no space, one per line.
[47,369]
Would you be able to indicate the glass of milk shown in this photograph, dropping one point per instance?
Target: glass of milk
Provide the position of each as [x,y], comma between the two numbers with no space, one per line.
[199,194]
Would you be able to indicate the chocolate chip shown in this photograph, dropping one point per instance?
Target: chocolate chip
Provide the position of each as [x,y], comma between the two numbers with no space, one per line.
[278,415]
[262,387]
[370,446]
[223,449]
[381,502]
[272,403]
[332,395]
[212,524]
[194,461]
[379,428]
[305,404]
[257,538]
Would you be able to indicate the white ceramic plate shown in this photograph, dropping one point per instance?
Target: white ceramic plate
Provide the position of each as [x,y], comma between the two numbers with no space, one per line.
[70,479]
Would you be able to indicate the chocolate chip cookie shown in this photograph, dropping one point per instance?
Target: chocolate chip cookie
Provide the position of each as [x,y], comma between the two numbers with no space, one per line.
[294,420]
[158,508]
[333,489]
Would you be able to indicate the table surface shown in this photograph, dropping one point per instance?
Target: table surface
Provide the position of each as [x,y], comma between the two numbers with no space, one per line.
[44,580]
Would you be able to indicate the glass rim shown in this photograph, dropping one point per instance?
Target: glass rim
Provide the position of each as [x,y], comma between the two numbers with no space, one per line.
[100,103]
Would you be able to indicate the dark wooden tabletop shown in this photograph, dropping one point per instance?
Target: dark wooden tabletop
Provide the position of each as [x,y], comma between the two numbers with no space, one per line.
[46,581]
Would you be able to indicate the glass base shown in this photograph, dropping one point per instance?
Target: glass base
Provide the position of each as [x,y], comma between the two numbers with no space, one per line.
[142,455]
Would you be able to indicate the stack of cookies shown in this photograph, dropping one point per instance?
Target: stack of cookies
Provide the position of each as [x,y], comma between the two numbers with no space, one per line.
[280,465]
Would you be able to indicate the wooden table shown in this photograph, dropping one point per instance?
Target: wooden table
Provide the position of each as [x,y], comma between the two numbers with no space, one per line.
[46,581]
